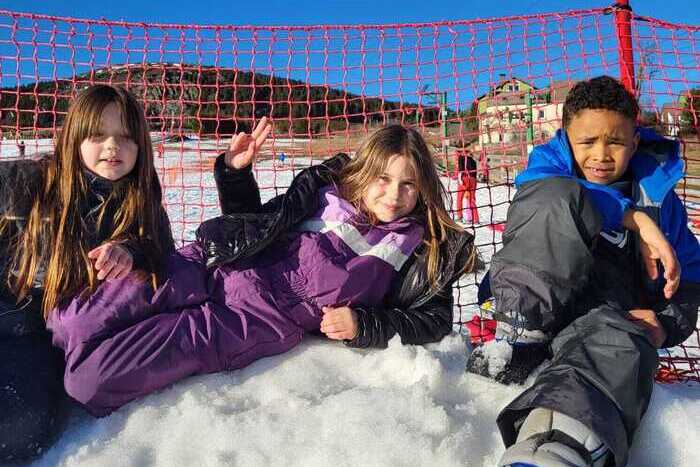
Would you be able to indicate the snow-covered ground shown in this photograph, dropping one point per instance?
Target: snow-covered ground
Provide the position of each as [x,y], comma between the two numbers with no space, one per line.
[324,404]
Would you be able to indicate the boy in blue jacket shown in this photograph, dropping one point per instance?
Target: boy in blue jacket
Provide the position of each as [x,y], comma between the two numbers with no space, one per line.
[598,269]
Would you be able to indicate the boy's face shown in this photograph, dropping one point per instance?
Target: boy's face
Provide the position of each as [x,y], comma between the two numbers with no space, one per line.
[603,142]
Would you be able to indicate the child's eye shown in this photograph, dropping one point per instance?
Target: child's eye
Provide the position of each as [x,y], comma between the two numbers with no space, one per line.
[101,138]
[384,179]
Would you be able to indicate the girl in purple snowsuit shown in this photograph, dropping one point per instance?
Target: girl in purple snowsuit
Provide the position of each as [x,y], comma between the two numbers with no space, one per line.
[89,212]
[359,249]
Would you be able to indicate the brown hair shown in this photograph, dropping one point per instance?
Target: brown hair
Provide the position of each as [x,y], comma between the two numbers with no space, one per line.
[54,230]
[372,159]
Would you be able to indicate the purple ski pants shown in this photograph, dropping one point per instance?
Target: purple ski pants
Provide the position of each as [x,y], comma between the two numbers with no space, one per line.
[127,340]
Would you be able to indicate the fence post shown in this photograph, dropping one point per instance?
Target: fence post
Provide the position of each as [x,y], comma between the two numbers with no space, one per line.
[623,25]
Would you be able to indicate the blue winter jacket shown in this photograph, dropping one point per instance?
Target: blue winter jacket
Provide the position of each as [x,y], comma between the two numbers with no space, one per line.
[656,168]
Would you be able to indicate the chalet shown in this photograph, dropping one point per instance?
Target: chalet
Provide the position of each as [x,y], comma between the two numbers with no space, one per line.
[503,111]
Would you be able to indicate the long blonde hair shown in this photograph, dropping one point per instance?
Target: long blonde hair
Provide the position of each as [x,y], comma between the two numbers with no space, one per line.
[54,233]
[370,162]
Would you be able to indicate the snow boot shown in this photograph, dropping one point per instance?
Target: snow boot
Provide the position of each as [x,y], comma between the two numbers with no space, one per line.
[552,439]
[511,356]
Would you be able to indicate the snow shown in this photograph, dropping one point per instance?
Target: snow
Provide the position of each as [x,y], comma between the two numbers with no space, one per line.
[323,403]
[498,354]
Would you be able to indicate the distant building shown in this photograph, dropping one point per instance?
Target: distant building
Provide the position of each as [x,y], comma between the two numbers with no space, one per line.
[671,118]
[506,90]
[504,120]
[503,111]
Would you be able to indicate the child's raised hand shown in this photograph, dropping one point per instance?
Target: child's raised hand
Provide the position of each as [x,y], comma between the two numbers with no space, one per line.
[111,261]
[243,146]
[654,330]
[339,323]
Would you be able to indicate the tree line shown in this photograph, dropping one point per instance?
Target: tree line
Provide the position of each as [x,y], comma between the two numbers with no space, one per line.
[206,100]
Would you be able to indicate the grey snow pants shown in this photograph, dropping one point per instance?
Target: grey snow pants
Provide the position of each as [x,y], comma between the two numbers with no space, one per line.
[603,366]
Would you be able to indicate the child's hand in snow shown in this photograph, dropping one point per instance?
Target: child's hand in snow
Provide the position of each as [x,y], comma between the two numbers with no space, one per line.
[243,146]
[339,323]
[111,261]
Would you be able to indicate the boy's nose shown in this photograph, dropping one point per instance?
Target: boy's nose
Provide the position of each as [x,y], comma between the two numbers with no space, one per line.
[601,152]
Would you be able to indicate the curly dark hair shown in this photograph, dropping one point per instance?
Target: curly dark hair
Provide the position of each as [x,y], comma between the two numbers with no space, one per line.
[602,92]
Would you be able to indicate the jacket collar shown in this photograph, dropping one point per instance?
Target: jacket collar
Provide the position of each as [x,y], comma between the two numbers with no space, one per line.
[99,186]
[656,166]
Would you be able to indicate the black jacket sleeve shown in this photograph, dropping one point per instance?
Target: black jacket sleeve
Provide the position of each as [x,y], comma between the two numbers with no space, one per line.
[20,182]
[238,190]
[413,310]
[679,315]
[138,246]
[428,322]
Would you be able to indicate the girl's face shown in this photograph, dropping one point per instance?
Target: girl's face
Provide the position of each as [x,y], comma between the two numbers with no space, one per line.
[393,193]
[111,154]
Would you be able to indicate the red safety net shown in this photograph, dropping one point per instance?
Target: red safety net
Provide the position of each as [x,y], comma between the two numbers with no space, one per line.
[490,88]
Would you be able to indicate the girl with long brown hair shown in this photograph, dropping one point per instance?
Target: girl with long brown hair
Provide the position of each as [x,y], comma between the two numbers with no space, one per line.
[359,249]
[89,212]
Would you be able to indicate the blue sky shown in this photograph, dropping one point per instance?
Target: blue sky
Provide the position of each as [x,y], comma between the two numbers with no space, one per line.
[275,12]
[458,60]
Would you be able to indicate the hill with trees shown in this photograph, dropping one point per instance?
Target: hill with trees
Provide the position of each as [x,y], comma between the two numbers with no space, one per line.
[205,100]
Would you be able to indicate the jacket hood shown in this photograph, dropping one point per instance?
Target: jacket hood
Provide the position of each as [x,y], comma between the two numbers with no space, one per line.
[656,164]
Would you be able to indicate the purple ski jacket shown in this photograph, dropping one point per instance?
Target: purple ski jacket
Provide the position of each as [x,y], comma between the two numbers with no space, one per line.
[127,340]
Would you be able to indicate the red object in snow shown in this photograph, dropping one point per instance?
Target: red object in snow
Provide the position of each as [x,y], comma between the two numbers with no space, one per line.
[481,330]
